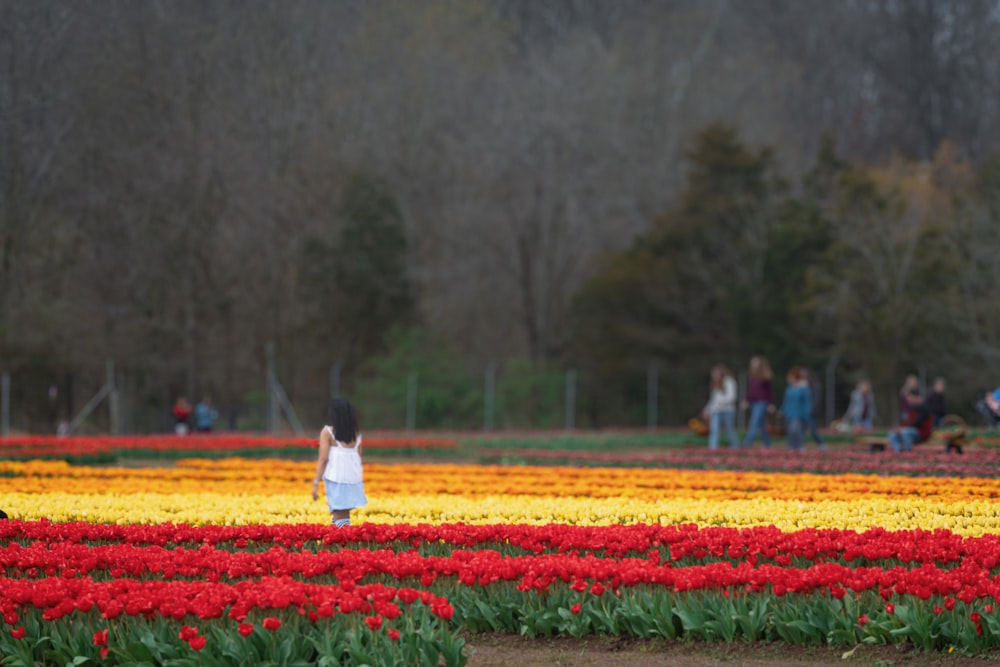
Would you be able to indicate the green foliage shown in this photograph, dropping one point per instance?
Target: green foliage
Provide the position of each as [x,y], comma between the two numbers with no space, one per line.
[526,394]
[448,395]
[341,640]
[358,283]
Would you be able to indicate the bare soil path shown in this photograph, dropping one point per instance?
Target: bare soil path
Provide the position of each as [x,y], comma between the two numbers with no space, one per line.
[499,650]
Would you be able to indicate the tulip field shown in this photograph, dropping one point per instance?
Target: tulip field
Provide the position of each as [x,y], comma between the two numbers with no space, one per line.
[222,559]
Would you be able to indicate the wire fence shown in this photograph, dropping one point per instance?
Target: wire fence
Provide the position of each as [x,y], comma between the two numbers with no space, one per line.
[133,398]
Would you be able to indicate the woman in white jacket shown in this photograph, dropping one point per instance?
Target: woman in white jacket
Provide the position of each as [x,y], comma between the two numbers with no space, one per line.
[720,410]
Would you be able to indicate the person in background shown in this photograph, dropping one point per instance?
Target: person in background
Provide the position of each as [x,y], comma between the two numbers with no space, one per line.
[910,384]
[182,416]
[205,415]
[796,408]
[721,407]
[917,425]
[989,407]
[760,400]
[935,401]
[815,396]
[860,413]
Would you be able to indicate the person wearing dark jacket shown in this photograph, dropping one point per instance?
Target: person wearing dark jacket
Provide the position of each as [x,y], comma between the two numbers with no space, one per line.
[935,402]
[760,400]
[916,428]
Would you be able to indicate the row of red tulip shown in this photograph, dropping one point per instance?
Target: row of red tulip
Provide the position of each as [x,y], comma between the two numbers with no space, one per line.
[684,541]
[46,447]
[43,564]
[61,596]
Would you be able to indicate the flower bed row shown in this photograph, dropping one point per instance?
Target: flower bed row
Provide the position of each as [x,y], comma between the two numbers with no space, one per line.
[240,492]
[276,477]
[974,462]
[46,563]
[97,449]
[685,543]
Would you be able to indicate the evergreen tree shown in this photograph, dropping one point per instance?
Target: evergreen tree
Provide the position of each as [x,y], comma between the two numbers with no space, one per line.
[359,284]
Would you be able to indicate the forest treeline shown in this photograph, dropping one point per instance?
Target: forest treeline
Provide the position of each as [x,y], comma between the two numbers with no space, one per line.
[445,187]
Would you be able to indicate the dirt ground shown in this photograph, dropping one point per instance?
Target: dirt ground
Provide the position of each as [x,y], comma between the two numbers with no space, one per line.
[497,650]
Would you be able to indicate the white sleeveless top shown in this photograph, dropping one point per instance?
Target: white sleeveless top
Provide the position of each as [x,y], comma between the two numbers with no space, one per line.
[344,464]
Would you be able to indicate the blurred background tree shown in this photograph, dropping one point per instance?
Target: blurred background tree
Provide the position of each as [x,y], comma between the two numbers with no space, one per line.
[576,184]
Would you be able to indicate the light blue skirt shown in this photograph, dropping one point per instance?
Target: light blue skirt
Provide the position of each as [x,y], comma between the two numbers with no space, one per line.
[345,496]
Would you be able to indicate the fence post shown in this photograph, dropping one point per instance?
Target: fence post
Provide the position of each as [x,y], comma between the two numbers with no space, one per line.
[114,414]
[271,398]
[5,404]
[652,396]
[489,395]
[831,387]
[411,402]
[570,399]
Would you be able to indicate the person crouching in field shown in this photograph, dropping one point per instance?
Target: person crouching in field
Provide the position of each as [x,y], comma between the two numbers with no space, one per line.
[796,408]
[339,463]
[917,426]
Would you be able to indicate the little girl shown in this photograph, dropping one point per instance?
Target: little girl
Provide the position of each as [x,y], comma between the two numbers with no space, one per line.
[339,464]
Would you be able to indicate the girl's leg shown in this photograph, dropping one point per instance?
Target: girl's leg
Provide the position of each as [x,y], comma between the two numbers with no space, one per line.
[713,431]
[728,420]
[341,518]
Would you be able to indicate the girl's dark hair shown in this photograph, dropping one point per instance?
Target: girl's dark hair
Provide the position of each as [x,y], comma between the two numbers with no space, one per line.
[343,419]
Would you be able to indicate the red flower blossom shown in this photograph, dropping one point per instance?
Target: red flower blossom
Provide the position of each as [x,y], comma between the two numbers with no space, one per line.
[938,610]
[374,622]
[949,604]
[890,608]
[101,638]
[575,609]
[10,618]
[18,632]
[187,633]
[271,623]
[197,643]
[975,617]
[393,634]
[443,609]
[407,595]
[245,629]
[104,651]
[597,588]
[863,620]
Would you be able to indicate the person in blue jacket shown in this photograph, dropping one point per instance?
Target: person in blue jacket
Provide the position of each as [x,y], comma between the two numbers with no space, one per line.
[205,416]
[796,408]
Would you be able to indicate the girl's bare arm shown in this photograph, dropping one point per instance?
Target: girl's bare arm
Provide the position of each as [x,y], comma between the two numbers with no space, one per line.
[322,458]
